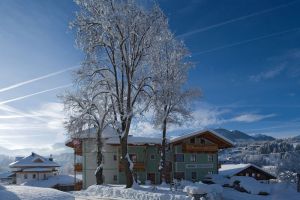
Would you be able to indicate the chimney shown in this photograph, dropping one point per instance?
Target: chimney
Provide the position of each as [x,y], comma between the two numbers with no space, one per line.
[51,158]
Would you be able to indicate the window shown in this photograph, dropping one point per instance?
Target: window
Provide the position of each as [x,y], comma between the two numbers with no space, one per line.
[152,157]
[115,178]
[45,177]
[193,158]
[115,157]
[25,176]
[258,175]
[209,172]
[192,140]
[179,175]
[202,141]
[179,157]
[253,174]
[133,157]
[194,175]
[38,160]
[33,176]
[210,158]
[247,174]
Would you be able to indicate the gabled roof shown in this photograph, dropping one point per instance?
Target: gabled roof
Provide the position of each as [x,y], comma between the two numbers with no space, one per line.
[34,160]
[234,169]
[133,140]
[223,141]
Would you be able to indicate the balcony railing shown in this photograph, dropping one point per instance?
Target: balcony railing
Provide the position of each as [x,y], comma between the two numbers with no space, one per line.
[78,167]
[189,148]
[136,166]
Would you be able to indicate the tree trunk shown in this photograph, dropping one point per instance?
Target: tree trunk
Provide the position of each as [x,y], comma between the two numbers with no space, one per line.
[163,151]
[99,172]
[125,163]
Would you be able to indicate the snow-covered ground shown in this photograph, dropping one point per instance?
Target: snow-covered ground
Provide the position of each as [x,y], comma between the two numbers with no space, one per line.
[14,192]
[278,191]
[52,181]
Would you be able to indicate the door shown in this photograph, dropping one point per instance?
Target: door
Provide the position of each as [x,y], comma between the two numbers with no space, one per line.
[151,177]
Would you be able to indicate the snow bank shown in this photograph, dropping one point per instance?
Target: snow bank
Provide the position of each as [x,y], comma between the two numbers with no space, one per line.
[106,191]
[52,181]
[2,187]
[33,193]
[250,184]
[218,179]
[212,192]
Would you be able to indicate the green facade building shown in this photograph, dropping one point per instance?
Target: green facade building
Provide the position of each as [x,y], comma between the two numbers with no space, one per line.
[189,157]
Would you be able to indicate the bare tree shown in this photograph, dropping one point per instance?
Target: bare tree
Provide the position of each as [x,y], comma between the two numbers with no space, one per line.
[119,38]
[88,108]
[171,99]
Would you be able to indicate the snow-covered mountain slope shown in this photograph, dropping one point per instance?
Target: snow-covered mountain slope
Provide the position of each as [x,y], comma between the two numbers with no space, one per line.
[239,136]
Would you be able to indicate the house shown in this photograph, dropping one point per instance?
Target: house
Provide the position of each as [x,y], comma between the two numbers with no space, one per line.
[7,177]
[189,157]
[33,167]
[252,170]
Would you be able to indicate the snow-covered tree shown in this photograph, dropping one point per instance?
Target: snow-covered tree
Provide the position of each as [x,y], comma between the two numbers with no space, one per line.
[87,107]
[171,99]
[119,39]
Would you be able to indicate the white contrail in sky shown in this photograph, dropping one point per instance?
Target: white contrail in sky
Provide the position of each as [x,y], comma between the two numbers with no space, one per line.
[36,79]
[33,94]
[236,19]
[246,41]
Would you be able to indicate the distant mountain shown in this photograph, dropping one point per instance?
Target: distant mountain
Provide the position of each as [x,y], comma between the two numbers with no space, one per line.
[239,136]
[57,148]
[261,137]
[297,137]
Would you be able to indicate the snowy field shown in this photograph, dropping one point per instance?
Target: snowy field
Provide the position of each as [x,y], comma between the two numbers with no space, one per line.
[32,193]
[253,191]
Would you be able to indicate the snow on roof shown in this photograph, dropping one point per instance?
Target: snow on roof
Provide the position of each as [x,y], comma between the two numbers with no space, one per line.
[34,160]
[6,175]
[37,169]
[199,133]
[233,169]
[108,132]
[135,140]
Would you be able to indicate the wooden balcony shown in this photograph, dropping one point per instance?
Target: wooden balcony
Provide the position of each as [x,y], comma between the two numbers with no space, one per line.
[78,151]
[192,148]
[138,166]
[78,167]
[78,186]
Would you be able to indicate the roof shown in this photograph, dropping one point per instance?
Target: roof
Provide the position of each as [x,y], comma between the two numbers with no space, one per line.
[4,175]
[90,133]
[233,169]
[202,132]
[33,160]
[135,140]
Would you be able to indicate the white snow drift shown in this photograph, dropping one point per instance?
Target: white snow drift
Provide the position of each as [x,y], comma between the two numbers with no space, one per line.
[32,193]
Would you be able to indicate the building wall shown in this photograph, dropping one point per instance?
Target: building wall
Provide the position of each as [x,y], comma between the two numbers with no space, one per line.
[205,163]
[111,159]
[20,176]
[253,172]
[149,156]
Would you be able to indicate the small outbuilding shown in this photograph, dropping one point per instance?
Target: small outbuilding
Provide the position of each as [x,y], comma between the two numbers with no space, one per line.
[229,170]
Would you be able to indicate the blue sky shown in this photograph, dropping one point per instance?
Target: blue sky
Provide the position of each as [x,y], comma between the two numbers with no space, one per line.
[246,55]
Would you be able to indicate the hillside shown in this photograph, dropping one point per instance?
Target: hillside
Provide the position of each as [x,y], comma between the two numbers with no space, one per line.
[239,136]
